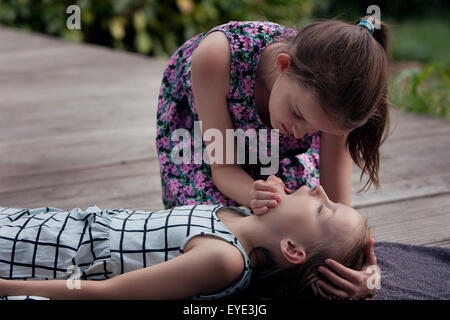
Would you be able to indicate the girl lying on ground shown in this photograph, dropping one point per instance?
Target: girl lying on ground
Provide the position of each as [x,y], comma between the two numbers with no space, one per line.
[192,251]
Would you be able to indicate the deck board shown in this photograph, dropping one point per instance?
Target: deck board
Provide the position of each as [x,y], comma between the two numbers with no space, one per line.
[77,128]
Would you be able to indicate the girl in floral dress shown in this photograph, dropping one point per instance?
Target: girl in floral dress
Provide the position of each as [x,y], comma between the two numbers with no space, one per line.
[323,89]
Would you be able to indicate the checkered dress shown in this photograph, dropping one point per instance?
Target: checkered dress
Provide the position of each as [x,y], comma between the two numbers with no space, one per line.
[50,243]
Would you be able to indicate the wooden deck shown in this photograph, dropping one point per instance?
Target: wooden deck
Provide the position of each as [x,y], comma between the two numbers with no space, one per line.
[77,128]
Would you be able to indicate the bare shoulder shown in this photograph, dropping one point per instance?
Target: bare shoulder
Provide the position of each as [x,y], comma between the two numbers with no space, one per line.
[212,57]
[216,42]
[210,79]
[222,255]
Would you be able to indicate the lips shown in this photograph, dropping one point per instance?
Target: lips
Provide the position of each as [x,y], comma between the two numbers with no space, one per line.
[286,131]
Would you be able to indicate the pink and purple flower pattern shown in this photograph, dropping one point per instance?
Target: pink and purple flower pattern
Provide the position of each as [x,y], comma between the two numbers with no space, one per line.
[184,184]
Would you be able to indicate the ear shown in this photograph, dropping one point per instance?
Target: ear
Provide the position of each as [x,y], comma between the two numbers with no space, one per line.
[293,252]
[283,61]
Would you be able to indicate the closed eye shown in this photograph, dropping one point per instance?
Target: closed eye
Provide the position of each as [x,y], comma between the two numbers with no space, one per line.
[320,208]
[298,116]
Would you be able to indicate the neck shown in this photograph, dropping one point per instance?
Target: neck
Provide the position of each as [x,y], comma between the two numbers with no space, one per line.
[265,72]
[264,81]
[252,232]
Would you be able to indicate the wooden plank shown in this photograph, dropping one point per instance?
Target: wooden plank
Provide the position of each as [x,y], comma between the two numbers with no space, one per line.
[424,221]
[92,86]
[75,151]
[14,40]
[406,125]
[412,164]
[133,186]
[406,189]
[145,168]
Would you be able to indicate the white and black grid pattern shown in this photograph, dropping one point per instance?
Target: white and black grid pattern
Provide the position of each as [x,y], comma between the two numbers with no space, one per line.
[45,242]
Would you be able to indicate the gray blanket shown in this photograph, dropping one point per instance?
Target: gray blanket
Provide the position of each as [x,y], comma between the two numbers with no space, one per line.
[408,272]
[413,272]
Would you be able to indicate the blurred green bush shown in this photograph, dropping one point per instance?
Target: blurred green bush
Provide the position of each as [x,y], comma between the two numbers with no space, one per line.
[423,90]
[159,27]
[398,10]
[153,27]
[422,39]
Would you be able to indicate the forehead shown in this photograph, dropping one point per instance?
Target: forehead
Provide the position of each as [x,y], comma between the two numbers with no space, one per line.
[344,220]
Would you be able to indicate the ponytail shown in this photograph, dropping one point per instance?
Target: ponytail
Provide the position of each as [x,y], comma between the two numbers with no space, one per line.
[364,144]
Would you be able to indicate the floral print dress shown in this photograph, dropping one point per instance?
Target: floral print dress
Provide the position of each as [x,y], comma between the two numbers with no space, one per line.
[190,182]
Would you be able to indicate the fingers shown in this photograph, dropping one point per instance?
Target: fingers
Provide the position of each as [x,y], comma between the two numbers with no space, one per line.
[353,283]
[263,203]
[332,290]
[260,211]
[260,207]
[274,180]
[335,279]
[266,195]
[347,273]
[264,186]
[371,259]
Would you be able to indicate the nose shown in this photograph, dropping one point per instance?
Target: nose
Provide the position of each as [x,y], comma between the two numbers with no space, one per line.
[321,191]
[298,133]
[301,130]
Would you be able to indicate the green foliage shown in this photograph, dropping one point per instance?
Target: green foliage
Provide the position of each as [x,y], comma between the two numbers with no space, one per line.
[425,90]
[423,40]
[153,27]
[398,10]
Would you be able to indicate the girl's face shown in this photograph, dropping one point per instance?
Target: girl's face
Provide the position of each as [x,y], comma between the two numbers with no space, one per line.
[295,110]
[308,215]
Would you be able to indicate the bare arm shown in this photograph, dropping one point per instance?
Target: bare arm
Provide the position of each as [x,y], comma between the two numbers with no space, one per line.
[335,168]
[202,269]
[210,68]
[53,289]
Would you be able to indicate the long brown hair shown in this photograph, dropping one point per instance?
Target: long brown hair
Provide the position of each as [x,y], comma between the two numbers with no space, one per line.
[346,68]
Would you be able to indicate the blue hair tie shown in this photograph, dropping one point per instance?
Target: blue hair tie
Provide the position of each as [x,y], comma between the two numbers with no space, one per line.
[368,25]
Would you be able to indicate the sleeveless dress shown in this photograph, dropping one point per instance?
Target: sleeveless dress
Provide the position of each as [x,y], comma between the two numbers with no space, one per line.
[190,182]
[50,243]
